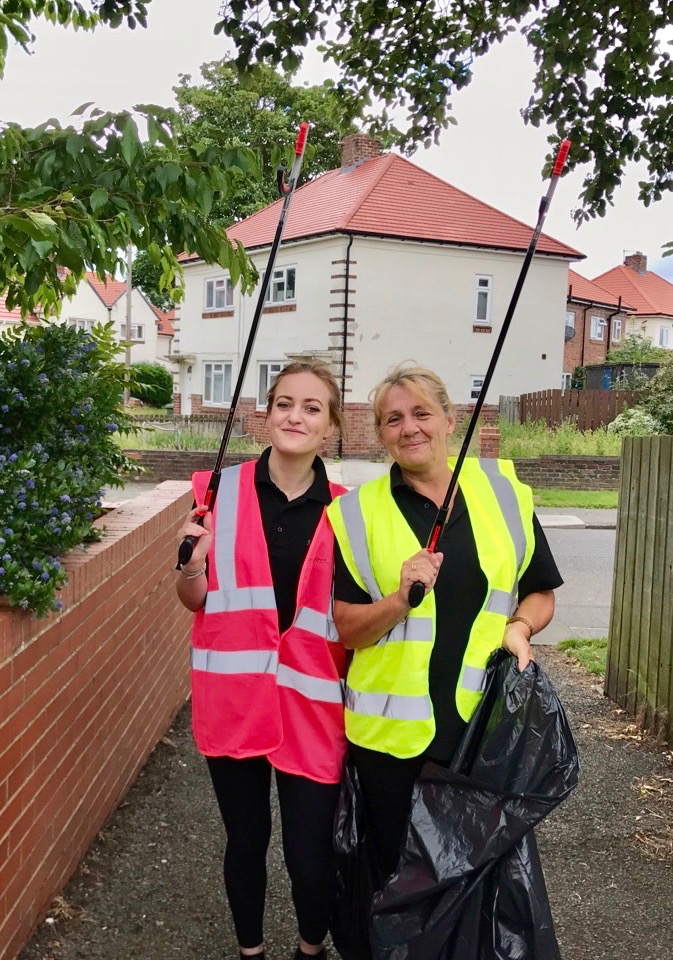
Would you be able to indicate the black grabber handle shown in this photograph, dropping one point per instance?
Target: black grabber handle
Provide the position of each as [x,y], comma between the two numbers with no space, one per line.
[286,189]
[417,589]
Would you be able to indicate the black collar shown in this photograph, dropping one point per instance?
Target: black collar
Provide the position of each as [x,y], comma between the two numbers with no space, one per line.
[319,489]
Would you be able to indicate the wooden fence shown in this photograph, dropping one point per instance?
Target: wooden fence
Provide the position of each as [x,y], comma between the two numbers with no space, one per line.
[639,675]
[589,409]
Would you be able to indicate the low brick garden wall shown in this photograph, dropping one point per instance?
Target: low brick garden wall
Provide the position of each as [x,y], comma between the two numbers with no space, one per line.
[546,472]
[84,697]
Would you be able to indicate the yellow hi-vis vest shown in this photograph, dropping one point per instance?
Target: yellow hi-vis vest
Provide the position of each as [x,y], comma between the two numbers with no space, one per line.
[388,706]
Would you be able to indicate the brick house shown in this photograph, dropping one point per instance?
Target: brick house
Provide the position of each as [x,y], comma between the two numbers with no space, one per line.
[381,262]
[650,296]
[595,321]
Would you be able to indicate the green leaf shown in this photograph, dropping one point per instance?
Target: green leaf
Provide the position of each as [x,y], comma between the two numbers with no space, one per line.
[130,141]
[98,199]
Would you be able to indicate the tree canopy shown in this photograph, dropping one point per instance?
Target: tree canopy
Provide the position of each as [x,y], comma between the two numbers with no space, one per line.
[73,198]
[603,75]
[261,109]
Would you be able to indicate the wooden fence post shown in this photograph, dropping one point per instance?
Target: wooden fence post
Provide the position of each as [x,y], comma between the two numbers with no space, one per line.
[639,673]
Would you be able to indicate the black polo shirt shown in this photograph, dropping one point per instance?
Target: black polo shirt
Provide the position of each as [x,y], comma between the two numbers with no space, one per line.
[289,526]
[460,592]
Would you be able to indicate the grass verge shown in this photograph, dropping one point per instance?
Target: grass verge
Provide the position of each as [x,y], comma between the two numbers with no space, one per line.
[595,499]
[589,652]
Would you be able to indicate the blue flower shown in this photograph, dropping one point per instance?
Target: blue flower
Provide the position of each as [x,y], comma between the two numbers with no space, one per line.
[19,396]
[30,484]
[54,512]
[64,498]
[43,379]
[4,408]
[59,604]
[9,532]
[75,412]
[44,576]
[112,427]
[25,362]
[13,458]
[21,505]
[2,571]
[36,565]
[7,557]
[87,408]
[80,428]
[35,505]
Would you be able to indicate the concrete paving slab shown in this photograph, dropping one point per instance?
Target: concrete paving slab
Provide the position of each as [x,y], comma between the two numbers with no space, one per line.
[560,520]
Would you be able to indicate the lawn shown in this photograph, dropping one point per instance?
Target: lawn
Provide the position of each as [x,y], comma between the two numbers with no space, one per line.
[590,653]
[593,499]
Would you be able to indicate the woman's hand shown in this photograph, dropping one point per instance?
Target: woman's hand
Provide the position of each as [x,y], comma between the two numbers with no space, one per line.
[423,567]
[203,534]
[516,642]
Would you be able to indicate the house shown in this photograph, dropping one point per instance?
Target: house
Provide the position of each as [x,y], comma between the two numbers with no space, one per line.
[595,321]
[98,302]
[650,295]
[381,261]
[10,318]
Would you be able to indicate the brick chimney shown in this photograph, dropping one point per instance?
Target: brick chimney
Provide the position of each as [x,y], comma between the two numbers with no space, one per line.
[358,147]
[637,261]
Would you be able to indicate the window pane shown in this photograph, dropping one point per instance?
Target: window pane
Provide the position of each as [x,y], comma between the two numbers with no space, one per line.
[289,289]
[263,383]
[209,295]
[482,305]
[227,382]
[570,319]
[208,387]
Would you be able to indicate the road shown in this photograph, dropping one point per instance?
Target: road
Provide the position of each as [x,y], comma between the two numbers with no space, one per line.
[585,559]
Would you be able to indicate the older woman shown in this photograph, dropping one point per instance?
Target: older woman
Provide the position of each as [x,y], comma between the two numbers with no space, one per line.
[415,678]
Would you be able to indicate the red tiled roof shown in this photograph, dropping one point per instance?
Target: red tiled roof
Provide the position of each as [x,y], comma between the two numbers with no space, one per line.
[164,321]
[579,288]
[13,316]
[648,293]
[109,291]
[392,197]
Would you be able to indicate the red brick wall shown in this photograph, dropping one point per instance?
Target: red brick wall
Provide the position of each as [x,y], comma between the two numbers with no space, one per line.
[360,440]
[84,697]
[582,350]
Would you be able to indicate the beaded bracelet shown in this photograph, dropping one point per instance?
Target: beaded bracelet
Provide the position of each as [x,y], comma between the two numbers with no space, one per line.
[525,622]
[193,576]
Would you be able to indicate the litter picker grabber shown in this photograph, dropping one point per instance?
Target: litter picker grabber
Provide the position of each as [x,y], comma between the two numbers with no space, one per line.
[286,189]
[417,590]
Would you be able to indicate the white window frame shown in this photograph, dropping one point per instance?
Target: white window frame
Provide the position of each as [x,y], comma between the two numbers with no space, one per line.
[483,286]
[664,337]
[476,384]
[617,327]
[81,323]
[270,368]
[218,294]
[597,328]
[211,366]
[279,285]
[137,332]
[566,380]
[570,318]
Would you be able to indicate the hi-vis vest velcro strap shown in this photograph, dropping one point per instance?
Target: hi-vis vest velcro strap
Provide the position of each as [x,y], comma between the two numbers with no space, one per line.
[415,627]
[388,705]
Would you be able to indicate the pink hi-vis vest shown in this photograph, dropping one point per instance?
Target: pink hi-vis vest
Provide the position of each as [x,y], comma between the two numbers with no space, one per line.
[256,692]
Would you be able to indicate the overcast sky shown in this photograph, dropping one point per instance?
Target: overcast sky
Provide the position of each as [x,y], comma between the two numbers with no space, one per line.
[490,154]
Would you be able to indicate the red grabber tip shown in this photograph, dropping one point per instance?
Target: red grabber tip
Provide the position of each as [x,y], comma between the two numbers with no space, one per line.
[561,158]
[301,139]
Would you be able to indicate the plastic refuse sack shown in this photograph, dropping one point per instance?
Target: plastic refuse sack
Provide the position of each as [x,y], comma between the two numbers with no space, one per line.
[469,883]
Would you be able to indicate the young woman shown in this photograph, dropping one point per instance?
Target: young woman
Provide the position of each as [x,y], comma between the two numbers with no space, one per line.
[267,667]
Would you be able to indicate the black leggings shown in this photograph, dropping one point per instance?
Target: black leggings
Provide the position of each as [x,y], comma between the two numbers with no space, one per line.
[387,785]
[243,791]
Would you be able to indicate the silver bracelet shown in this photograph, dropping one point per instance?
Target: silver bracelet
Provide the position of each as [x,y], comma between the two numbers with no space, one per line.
[193,576]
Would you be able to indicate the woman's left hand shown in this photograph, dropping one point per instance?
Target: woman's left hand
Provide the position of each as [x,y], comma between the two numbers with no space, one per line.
[515,641]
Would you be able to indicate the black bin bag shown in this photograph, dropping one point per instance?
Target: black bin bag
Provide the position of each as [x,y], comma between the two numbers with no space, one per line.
[469,884]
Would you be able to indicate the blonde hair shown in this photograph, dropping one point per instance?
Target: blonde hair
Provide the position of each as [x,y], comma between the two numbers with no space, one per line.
[423,383]
[322,372]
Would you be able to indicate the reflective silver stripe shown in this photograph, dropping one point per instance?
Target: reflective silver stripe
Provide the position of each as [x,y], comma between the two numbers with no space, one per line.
[231,597]
[499,601]
[332,632]
[312,620]
[508,503]
[235,661]
[390,706]
[473,678]
[420,629]
[357,535]
[315,688]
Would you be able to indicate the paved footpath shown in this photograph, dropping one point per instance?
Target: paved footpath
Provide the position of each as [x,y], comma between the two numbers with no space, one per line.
[150,887]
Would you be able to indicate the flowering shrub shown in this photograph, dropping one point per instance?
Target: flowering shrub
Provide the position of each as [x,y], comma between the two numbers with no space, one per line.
[635,422]
[60,405]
